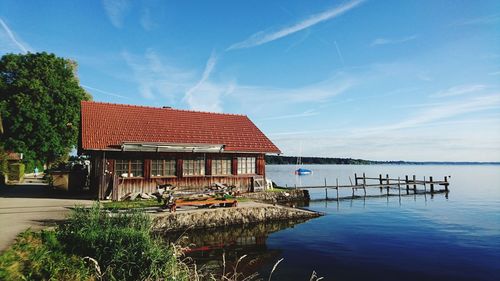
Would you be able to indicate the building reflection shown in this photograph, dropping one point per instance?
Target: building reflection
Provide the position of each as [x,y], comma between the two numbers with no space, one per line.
[207,247]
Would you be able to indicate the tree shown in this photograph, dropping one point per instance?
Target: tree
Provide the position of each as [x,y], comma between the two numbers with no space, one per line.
[40,105]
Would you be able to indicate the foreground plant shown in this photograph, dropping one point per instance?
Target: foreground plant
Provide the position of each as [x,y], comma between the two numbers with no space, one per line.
[93,245]
[40,256]
[121,245]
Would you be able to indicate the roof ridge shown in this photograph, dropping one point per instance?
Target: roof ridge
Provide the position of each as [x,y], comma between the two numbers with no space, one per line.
[154,107]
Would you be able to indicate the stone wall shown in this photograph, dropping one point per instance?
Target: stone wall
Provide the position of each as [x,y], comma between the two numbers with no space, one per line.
[291,195]
[227,216]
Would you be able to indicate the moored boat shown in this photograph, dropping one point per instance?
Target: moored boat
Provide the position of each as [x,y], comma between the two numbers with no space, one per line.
[302,171]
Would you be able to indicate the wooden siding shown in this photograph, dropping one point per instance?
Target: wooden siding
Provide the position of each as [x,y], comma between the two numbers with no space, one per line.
[104,180]
[125,185]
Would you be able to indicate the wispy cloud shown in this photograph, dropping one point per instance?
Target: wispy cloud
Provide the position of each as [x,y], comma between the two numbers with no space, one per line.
[263,37]
[147,20]
[386,41]
[494,73]
[104,92]
[461,90]
[488,19]
[425,136]
[203,95]
[12,38]
[307,113]
[265,98]
[156,77]
[116,11]
[341,57]
[441,111]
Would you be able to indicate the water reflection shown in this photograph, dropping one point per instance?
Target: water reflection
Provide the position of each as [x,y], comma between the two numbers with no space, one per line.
[407,237]
[207,247]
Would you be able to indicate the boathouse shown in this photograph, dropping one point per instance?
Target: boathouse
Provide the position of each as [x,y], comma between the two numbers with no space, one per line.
[135,148]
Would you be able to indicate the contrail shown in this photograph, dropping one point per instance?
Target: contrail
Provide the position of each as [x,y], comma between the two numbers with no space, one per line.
[11,36]
[339,53]
[104,92]
[262,37]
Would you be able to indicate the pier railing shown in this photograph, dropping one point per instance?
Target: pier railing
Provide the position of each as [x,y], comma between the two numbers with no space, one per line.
[407,185]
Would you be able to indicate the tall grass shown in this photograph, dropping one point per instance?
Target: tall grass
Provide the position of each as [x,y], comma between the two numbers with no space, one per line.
[94,245]
[40,256]
[121,245]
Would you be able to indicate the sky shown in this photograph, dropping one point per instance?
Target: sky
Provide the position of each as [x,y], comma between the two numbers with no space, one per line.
[415,80]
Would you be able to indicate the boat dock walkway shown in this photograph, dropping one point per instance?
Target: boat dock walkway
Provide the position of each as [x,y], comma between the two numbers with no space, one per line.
[405,186]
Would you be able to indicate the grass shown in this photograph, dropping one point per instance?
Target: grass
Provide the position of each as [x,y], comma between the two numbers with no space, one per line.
[40,256]
[94,245]
[122,245]
[136,204]
[278,189]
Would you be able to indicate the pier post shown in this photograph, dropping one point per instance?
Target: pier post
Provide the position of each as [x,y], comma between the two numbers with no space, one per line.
[432,184]
[355,179]
[364,183]
[399,187]
[326,191]
[380,181]
[337,189]
[407,185]
[414,184]
[388,182]
[446,184]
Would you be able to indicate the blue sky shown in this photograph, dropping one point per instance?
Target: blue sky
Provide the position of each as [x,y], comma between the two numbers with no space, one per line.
[375,79]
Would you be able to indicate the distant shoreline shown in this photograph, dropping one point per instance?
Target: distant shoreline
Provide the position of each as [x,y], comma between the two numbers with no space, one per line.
[292,160]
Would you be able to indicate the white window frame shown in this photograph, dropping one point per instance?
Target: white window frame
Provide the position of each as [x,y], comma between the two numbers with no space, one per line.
[164,167]
[193,167]
[222,166]
[247,165]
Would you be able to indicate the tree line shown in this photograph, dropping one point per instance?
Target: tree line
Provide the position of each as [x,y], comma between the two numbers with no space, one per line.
[283,160]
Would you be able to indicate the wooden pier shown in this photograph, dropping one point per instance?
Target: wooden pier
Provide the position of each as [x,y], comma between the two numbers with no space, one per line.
[406,186]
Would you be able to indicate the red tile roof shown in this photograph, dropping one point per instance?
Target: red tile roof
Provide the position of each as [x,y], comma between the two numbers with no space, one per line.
[107,126]
[13,156]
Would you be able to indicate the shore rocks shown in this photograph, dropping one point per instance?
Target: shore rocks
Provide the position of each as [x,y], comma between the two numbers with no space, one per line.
[227,216]
[291,195]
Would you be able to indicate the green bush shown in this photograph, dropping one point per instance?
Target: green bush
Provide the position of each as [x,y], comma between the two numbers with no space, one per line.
[16,171]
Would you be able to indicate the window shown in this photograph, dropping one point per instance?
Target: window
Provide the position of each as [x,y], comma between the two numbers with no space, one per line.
[193,167]
[121,168]
[161,168]
[246,165]
[129,168]
[221,166]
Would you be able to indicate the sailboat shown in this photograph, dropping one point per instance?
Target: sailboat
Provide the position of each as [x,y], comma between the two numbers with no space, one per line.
[301,171]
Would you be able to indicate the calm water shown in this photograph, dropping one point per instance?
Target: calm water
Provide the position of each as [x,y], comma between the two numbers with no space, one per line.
[388,238]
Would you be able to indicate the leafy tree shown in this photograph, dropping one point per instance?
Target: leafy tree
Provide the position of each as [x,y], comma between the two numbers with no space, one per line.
[40,105]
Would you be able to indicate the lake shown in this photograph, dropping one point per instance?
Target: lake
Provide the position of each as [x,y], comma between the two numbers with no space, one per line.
[383,238]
